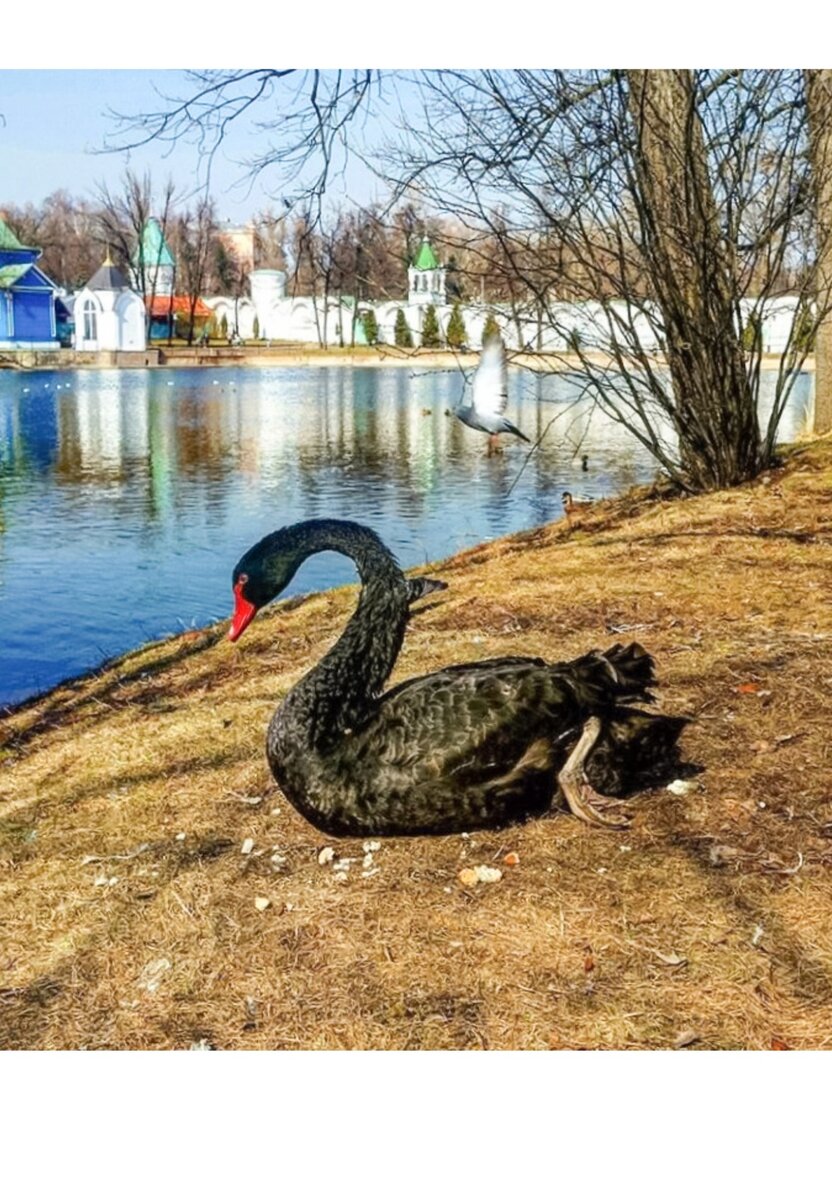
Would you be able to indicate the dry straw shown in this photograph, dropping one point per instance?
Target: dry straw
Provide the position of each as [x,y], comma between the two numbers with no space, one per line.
[131,918]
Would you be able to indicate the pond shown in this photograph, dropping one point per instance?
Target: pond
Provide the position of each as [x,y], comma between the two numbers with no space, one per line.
[126,497]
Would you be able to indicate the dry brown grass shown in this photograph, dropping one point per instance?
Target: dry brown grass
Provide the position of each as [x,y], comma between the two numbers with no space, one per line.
[566,951]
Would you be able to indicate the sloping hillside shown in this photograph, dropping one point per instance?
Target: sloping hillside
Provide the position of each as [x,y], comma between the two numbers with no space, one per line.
[128,909]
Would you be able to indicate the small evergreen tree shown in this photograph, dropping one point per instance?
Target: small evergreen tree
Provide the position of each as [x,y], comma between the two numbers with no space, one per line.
[457,336]
[804,329]
[224,326]
[490,329]
[368,320]
[431,339]
[255,329]
[401,333]
[752,333]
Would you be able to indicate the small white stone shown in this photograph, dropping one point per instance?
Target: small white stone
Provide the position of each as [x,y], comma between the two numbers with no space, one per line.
[602,870]
[369,873]
[275,812]
[367,860]
[247,846]
[180,837]
[371,847]
[261,903]
[289,906]
[488,874]
[681,787]
[152,974]
[326,856]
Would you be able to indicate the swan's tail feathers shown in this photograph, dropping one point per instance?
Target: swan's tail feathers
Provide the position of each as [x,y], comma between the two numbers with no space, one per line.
[634,670]
[421,586]
[620,675]
[635,750]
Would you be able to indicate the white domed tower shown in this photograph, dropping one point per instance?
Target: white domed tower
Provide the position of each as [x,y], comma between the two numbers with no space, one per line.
[426,278]
[268,288]
[109,315]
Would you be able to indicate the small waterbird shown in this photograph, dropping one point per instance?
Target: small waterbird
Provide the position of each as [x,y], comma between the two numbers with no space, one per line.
[489,397]
[572,506]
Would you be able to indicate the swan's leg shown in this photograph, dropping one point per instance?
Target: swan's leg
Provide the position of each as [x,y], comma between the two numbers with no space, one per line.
[494,446]
[574,785]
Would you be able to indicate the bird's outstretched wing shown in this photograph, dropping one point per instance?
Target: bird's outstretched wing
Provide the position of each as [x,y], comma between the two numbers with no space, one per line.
[491,381]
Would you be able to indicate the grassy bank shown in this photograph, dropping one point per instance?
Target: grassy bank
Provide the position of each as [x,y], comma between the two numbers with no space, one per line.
[129,912]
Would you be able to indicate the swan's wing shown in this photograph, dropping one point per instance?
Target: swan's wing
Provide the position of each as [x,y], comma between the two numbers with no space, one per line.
[468,723]
[491,381]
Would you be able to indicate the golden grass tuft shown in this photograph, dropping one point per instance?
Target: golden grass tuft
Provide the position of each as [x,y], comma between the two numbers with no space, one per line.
[712,914]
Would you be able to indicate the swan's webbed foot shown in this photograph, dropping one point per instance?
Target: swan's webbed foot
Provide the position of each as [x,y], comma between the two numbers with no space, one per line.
[582,799]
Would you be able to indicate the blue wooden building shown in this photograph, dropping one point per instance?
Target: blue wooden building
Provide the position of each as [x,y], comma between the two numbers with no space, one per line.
[27,297]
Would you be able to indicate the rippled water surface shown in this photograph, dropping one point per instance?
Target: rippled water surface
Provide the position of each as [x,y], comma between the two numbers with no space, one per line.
[126,497]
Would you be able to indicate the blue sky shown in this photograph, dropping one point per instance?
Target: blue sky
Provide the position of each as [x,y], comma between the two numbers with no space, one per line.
[52,122]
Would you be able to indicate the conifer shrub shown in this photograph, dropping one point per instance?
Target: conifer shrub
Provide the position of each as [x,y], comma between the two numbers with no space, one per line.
[401,332]
[431,337]
[457,336]
[370,324]
[490,329]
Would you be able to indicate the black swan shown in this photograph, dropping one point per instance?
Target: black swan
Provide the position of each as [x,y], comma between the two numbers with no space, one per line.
[479,744]
[489,397]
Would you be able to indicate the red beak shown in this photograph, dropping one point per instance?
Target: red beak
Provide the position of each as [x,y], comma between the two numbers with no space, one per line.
[244,611]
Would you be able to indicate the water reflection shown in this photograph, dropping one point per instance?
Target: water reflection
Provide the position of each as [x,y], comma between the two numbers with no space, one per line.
[127,496]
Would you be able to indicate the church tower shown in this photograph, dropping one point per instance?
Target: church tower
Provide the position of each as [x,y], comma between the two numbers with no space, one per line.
[426,278]
[154,269]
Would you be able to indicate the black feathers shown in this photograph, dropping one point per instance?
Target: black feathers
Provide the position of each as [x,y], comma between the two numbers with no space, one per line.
[476,744]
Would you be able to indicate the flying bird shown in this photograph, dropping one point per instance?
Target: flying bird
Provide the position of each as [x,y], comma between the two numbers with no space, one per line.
[486,408]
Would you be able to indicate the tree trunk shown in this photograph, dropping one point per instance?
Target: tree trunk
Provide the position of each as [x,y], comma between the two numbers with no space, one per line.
[691,278]
[819,105]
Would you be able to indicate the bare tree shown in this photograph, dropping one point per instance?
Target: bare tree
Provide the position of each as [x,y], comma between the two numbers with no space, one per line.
[65,230]
[819,100]
[123,217]
[194,237]
[671,204]
[303,116]
[270,240]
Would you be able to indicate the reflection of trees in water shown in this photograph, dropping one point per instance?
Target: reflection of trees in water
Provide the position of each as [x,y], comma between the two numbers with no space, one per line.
[378,438]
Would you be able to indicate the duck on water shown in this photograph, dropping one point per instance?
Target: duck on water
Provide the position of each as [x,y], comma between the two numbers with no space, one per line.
[474,745]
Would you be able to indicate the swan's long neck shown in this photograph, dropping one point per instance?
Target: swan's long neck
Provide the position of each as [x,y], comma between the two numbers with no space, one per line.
[339,692]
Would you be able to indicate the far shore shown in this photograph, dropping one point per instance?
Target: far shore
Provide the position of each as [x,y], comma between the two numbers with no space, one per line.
[300,355]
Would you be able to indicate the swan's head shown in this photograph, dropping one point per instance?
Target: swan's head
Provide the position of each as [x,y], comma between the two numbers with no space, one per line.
[261,574]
